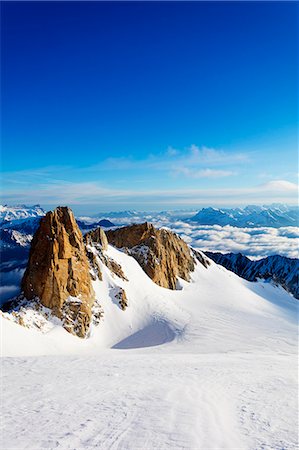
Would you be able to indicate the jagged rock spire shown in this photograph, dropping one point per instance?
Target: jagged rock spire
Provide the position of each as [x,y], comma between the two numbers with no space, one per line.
[58,270]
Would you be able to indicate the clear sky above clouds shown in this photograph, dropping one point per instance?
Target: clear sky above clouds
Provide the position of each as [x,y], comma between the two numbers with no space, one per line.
[149,105]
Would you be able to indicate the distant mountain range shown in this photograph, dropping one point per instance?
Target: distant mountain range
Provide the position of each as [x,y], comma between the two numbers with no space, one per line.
[117,214]
[105,223]
[8,213]
[276,215]
[280,269]
[19,223]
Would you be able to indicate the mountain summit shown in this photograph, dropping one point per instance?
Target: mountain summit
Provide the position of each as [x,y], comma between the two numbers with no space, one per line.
[58,271]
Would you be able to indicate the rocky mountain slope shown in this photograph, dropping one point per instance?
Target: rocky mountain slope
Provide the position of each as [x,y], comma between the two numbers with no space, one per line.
[129,309]
[163,255]
[276,215]
[279,269]
[62,266]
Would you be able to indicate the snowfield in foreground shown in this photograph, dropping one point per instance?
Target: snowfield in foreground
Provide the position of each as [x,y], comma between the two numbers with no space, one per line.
[210,366]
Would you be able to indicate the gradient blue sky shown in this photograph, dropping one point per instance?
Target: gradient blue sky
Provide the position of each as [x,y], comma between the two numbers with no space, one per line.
[149,105]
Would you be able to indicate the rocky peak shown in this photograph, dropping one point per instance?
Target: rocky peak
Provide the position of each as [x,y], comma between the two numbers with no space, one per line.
[97,237]
[163,255]
[58,271]
[131,235]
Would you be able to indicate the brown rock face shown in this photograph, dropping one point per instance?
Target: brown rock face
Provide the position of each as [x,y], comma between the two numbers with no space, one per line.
[97,237]
[58,269]
[163,255]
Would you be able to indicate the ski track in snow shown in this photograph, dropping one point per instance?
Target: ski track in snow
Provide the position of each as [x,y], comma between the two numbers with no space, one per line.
[212,366]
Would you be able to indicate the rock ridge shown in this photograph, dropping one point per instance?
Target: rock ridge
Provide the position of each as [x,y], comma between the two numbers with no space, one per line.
[162,254]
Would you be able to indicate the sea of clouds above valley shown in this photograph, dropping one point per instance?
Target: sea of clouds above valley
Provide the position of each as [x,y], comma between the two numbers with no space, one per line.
[255,243]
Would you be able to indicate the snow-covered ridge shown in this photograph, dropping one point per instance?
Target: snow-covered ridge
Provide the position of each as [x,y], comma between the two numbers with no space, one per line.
[20,212]
[181,315]
[11,238]
[276,215]
[281,270]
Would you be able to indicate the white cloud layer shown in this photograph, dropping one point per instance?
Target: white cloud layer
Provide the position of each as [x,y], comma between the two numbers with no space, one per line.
[277,185]
[205,173]
[253,242]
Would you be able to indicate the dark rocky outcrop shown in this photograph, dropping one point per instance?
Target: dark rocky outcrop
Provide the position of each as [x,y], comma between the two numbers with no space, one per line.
[58,271]
[121,296]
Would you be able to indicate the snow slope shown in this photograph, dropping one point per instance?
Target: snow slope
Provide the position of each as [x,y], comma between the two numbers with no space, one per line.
[280,269]
[210,366]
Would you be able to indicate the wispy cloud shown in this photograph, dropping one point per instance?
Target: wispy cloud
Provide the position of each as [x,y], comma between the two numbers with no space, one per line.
[207,160]
[280,185]
[211,155]
[94,193]
[204,173]
[97,184]
[174,160]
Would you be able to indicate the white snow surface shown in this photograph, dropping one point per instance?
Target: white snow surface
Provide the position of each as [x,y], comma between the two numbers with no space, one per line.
[210,366]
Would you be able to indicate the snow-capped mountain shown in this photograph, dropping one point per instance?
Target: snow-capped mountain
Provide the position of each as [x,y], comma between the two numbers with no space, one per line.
[275,215]
[197,367]
[28,225]
[279,269]
[118,214]
[12,238]
[19,232]
[8,213]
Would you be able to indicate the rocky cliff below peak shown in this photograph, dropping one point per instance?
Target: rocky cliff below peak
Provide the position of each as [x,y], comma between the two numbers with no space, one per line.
[96,244]
[162,254]
[58,271]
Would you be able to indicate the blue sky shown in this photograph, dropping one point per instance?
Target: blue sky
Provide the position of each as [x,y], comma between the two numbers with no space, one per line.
[149,105]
